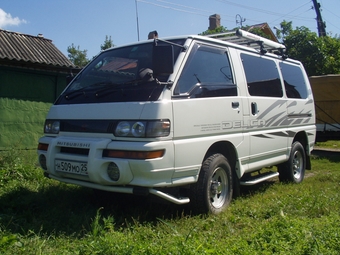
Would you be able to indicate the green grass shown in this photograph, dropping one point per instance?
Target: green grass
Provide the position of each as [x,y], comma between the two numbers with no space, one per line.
[42,216]
[329,144]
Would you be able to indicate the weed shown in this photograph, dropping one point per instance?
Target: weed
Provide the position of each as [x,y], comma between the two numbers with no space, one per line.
[41,216]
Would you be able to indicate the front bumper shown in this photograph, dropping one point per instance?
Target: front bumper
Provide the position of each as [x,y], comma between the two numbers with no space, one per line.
[156,172]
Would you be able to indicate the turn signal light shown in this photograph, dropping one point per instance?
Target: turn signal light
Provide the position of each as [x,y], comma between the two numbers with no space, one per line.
[133,154]
[42,146]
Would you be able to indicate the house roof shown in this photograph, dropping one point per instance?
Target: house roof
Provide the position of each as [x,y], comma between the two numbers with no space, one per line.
[266,29]
[31,49]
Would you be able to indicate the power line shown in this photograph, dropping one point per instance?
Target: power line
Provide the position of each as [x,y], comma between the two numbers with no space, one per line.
[249,7]
[282,16]
[171,8]
[328,22]
[331,12]
[256,9]
[197,11]
[203,12]
[184,6]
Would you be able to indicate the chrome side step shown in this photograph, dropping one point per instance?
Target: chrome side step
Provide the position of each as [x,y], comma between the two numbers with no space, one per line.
[127,190]
[175,200]
[258,178]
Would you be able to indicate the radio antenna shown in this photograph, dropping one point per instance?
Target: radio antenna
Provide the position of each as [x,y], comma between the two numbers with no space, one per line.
[137,20]
[239,20]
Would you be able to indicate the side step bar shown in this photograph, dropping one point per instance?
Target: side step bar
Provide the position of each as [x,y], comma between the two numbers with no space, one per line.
[258,178]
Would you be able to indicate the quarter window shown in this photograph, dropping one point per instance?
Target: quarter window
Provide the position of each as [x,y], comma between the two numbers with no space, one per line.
[294,81]
[263,78]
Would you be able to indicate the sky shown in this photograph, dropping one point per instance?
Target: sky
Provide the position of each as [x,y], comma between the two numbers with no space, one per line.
[86,23]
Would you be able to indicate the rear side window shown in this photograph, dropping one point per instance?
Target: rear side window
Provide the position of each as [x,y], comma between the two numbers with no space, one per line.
[207,73]
[294,81]
[262,75]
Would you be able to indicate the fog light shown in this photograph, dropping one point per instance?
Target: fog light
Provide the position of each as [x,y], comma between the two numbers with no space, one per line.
[113,171]
[42,161]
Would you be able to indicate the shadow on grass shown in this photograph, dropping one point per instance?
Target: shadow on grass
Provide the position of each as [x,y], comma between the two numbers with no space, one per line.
[70,210]
[59,208]
[331,155]
[248,191]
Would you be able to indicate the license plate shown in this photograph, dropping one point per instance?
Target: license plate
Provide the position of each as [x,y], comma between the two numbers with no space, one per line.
[71,167]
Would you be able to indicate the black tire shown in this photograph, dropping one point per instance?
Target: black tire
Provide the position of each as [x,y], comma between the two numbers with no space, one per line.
[214,189]
[294,169]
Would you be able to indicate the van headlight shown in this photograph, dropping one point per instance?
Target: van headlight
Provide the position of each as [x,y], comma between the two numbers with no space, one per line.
[138,129]
[143,129]
[52,127]
[123,128]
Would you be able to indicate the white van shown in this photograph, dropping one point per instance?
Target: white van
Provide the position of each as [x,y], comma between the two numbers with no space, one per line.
[188,119]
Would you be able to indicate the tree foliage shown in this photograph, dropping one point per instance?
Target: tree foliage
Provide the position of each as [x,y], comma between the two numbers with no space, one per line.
[108,43]
[319,55]
[221,29]
[286,28]
[217,30]
[78,57]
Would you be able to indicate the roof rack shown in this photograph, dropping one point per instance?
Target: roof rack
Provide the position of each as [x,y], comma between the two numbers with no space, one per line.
[242,37]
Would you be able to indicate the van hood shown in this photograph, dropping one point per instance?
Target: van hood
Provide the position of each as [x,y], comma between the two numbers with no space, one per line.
[97,111]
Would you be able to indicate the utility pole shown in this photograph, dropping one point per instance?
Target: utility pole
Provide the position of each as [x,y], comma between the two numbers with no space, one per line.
[321,24]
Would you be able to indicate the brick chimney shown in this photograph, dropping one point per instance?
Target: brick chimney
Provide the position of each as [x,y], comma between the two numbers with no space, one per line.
[214,21]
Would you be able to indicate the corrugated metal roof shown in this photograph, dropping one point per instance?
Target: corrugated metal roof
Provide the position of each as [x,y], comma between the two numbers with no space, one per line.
[28,48]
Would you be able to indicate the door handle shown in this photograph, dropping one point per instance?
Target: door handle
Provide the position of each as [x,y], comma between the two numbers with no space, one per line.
[254,110]
[235,105]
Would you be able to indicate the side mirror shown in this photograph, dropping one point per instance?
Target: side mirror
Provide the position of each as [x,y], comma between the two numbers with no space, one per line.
[163,60]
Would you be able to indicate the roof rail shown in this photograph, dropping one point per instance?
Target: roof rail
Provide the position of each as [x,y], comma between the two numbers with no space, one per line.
[257,42]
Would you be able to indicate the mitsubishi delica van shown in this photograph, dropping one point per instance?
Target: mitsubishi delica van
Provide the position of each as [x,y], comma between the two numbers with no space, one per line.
[189,119]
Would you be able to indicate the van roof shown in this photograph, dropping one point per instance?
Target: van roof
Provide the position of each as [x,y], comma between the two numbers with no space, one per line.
[240,39]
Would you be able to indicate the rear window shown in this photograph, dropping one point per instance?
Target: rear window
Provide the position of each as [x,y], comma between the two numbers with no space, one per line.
[294,81]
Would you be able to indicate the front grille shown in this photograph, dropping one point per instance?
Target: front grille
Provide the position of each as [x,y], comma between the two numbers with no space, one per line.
[78,151]
[88,126]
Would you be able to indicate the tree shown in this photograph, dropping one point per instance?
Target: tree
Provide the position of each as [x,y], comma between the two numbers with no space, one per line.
[221,29]
[319,55]
[331,48]
[286,29]
[78,57]
[108,43]
[217,30]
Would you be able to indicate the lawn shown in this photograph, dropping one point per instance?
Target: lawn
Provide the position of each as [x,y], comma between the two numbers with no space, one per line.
[42,216]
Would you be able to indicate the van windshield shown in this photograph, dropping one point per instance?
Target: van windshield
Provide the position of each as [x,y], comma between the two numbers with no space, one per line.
[119,75]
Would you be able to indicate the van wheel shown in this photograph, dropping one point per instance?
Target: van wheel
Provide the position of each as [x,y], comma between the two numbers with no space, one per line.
[294,169]
[213,191]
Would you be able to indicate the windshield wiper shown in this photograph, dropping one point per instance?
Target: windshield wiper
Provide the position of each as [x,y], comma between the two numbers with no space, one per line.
[119,87]
[109,90]
[75,93]
[116,87]
[82,91]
